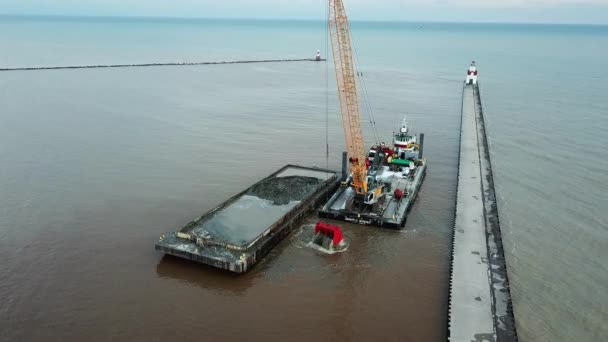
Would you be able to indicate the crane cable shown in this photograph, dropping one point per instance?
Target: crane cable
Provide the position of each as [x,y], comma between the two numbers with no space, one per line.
[326,21]
[368,106]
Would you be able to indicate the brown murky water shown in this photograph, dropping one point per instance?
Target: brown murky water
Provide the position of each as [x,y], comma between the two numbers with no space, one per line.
[90,180]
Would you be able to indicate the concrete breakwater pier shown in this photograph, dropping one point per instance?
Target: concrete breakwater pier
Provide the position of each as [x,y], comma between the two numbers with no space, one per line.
[480,307]
[100,66]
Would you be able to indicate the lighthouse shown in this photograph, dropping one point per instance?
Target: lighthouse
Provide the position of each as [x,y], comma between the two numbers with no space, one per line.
[472,74]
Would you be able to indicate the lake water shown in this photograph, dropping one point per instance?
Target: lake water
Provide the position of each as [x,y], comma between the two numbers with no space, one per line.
[95,164]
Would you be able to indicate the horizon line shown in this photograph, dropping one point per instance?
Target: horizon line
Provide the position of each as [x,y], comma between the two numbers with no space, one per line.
[303,19]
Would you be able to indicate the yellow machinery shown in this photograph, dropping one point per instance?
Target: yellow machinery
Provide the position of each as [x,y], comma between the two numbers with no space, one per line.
[339,31]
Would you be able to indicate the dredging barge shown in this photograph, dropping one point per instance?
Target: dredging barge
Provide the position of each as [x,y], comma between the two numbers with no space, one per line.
[398,171]
[383,183]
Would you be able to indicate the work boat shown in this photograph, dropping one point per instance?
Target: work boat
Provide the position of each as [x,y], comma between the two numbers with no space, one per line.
[405,144]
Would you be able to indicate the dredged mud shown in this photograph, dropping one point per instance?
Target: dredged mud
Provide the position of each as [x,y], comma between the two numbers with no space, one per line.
[282,190]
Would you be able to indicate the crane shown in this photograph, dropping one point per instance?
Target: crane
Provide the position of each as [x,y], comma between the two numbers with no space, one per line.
[339,31]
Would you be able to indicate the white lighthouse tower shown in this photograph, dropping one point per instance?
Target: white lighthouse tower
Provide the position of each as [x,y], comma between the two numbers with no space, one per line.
[472,74]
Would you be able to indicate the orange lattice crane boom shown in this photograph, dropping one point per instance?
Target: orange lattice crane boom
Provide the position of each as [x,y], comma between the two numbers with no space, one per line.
[339,32]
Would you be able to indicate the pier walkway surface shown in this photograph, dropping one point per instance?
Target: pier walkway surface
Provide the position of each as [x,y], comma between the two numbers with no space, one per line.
[480,304]
[158,64]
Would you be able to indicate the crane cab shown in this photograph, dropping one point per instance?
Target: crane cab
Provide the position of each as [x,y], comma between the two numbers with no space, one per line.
[471,74]
[373,196]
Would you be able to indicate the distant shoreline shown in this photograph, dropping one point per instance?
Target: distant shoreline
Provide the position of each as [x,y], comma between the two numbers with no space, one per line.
[159,19]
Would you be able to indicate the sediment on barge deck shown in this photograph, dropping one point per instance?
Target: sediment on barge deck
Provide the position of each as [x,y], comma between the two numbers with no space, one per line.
[241,231]
[480,307]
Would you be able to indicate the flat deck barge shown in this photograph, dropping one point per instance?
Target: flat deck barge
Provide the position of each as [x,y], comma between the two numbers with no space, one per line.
[388,213]
[239,232]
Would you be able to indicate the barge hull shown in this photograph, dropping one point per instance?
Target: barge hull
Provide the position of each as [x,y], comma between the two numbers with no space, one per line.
[393,217]
[222,252]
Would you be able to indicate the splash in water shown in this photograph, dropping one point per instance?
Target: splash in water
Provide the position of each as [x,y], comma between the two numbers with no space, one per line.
[328,239]
[331,250]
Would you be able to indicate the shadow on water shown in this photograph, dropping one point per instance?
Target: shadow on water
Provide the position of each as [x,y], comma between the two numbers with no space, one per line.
[218,280]
[203,276]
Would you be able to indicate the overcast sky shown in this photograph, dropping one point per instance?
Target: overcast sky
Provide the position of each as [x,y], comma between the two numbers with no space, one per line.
[560,11]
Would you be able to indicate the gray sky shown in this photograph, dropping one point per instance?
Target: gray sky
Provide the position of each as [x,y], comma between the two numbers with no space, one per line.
[560,11]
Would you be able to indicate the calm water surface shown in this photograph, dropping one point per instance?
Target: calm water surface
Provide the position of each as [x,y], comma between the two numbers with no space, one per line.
[96,164]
